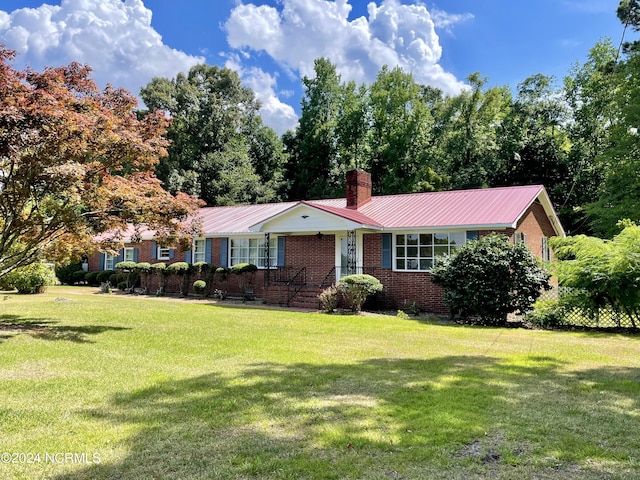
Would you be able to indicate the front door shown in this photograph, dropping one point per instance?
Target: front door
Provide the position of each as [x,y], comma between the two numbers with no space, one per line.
[346,256]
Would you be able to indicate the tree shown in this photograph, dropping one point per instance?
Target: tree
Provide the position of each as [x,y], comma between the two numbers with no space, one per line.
[213,118]
[602,273]
[76,162]
[314,169]
[490,278]
[589,91]
[475,117]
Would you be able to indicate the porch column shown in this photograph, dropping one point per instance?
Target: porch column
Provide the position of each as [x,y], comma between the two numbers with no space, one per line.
[351,252]
[267,258]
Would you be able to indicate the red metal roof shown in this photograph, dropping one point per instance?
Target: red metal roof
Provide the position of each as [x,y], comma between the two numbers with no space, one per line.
[480,208]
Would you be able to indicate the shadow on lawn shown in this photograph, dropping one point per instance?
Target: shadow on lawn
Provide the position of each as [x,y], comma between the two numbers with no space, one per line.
[46,329]
[451,417]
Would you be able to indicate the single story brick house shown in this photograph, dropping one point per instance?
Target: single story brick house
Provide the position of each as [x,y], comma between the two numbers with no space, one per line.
[302,247]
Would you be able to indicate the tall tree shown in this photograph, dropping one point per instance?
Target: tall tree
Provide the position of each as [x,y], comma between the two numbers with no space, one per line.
[315,168]
[212,114]
[475,119]
[76,162]
[589,92]
[401,123]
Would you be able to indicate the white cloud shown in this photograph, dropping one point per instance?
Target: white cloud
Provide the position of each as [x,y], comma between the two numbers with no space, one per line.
[276,114]
[445,20]
[114,37]
[300,31]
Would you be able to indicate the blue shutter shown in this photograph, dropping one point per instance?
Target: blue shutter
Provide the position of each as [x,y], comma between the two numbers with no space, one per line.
[386,250]
[224,252]
[120,255]
[207,250]
[135,254]
[172,253]
[473,235]
[102,256]
[154,250]
[187,256]
[280,255]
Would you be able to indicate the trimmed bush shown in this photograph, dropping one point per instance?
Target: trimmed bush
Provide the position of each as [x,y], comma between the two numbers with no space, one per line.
[34,278]
[200,287]
[65,273]
[92,278]
[104,276]
[489,278]
[160,269]
[356,288]
[183,270]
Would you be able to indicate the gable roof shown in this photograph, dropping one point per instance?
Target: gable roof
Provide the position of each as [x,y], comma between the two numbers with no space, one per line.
[472,209]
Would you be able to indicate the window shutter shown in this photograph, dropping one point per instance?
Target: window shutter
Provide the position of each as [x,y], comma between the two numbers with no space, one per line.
[135,254]
[224,252]
[154,250]
[120,255]
[386,250]
[102,257]
[187,256]
[280,259]
[172,253]
[207,250]
[473,235]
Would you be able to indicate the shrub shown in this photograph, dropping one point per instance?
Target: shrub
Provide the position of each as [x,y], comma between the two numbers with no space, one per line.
[245,272]
[127,274]
[79,276]
[160,271]
[34,278]
[490,278]
[183,270]
[104,276]
[241,268]
[356,288]
[143,270]
[411,308]
[92,278]
[329,299]
[200,287]
[546,314]
[222,273]
[65,273]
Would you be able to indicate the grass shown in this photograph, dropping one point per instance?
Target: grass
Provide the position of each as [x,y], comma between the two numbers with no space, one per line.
[118,387]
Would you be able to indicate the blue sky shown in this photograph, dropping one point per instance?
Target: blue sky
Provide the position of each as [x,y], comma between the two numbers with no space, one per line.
[272,43]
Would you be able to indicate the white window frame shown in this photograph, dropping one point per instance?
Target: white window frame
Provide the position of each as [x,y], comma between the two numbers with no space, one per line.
[547,252]
[199,254]
[128,254]
[420,254]
[109,261]
[163,253]
[519,237]
[251,250]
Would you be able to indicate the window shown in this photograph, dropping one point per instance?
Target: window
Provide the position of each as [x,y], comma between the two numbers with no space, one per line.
[199,250]
[417,251]
[164,253]
[109,261]
[519,237]
[547,254]
[129,255]
[251,250]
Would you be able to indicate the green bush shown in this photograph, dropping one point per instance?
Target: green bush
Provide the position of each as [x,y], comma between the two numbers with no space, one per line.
[329,299]
[34,278]
[92,278]
[104,276]
[489,278]
[183,270]
[160,269]
[200,287]
[65,273]
[79,276]
[241,268]
[356,288]
[546,314]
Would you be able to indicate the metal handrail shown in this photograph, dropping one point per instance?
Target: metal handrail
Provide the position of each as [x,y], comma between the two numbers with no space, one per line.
[302,273]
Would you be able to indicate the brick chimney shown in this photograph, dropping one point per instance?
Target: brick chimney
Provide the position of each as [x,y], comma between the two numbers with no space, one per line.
[358,188]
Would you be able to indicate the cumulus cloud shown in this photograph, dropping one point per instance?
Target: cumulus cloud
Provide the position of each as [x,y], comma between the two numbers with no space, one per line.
[300,31]
[114,37]
[275,113]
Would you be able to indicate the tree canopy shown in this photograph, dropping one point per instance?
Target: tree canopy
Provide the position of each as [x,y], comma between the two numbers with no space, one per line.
[76,162]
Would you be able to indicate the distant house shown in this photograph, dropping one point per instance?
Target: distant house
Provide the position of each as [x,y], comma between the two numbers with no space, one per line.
[302,247]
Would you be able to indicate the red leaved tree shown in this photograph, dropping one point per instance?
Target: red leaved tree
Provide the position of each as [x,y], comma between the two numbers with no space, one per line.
[76,164]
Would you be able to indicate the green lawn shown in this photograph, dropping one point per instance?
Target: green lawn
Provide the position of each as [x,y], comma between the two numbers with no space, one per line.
[151,388]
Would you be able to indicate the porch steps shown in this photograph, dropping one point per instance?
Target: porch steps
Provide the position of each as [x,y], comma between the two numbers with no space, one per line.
[306,298]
